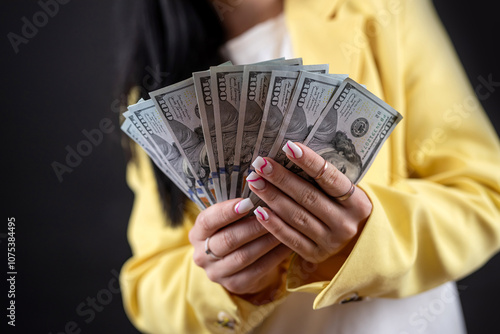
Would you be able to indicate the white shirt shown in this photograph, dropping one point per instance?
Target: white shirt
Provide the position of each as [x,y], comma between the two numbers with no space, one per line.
[435,311]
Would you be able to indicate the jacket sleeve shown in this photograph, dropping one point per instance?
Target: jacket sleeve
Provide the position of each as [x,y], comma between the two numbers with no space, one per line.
[163,290]
[439,219]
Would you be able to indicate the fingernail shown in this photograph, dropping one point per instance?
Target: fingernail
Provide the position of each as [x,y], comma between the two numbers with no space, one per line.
[292,150]
[262,165]
[243,206]
[261,213]
[256,181]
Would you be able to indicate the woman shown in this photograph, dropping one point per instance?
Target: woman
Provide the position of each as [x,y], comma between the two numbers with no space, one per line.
[417,220]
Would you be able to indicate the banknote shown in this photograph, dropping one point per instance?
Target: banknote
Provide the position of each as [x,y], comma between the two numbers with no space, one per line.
[226,91]
[140,137]
[206,109]
[311,95]
[204,132]
[253,97]
[256,86]
[226,84]
[148,121]
[352,129]
[178,108]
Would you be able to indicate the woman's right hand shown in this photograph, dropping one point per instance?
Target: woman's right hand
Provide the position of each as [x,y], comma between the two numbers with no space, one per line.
[249,255]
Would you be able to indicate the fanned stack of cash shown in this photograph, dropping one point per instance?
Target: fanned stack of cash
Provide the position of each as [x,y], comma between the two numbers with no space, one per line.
[205,132]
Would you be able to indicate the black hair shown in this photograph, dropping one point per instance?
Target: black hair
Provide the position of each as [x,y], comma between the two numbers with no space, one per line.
[162,42]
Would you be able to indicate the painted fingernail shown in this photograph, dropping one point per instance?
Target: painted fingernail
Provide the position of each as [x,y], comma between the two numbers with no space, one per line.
[243,206]
[262,165]
[292,150]
[256,181]
[261,213]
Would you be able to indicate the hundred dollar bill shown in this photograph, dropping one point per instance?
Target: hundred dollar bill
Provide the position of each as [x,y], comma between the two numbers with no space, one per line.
[256,86]
[226,91]
[178,108]
[153,149]
[352,129]
[312,94]
[206,109]
[226,83]
[139,136]
[147,120]
[253,97]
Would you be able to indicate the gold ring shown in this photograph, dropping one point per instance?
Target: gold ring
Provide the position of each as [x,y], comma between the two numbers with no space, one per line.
[347,194]
[209,252]
[325,166]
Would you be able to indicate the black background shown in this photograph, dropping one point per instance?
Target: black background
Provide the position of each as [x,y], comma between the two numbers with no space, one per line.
[71,235]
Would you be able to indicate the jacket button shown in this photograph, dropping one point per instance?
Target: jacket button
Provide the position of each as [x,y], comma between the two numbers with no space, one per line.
[225,320]
[354,297]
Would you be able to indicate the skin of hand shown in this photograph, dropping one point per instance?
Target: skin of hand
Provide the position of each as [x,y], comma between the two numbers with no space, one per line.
[251,257]
[306,219]
[253,247]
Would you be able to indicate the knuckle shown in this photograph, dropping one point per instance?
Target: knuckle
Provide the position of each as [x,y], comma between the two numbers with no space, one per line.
[310,196]
[241,257]
[202,222]
[212,275]
[229,239]
[332,176]
[350,229]
[277,229]
[309,165]
[225,216]
[280,178]
[365,208]
[191,236]
[294,242]
[300,218]
[272,197]
[198,259]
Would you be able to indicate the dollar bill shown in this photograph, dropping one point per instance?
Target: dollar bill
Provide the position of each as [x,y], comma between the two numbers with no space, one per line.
[140,137]
[253,97]
[256,86]
[178,108]
[352,129]
[149,122]
[205,104]
[312,93]
[226,84]
[226,91]
[206,109]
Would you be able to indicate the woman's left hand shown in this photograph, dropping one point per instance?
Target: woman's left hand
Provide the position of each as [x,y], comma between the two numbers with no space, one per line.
[309,221]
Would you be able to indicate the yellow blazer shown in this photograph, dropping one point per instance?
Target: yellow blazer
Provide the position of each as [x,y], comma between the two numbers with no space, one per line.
[435,185]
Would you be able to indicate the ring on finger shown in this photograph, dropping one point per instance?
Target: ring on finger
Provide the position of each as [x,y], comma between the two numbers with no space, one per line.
[209,252]
[347,194]
[323,170]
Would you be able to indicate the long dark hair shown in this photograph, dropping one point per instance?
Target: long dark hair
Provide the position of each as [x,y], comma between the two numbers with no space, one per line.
[163,42]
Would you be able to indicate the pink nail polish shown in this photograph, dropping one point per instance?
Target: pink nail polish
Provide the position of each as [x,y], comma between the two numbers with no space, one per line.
[256,181]
[262,165]
[261,213]
[243,206]
[292,150]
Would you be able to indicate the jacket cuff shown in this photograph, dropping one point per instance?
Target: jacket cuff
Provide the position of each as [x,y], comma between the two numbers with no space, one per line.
[356,277]
[221,311]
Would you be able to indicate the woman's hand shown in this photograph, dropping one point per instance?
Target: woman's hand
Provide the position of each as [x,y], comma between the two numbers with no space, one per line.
[309,221]
[242,256]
